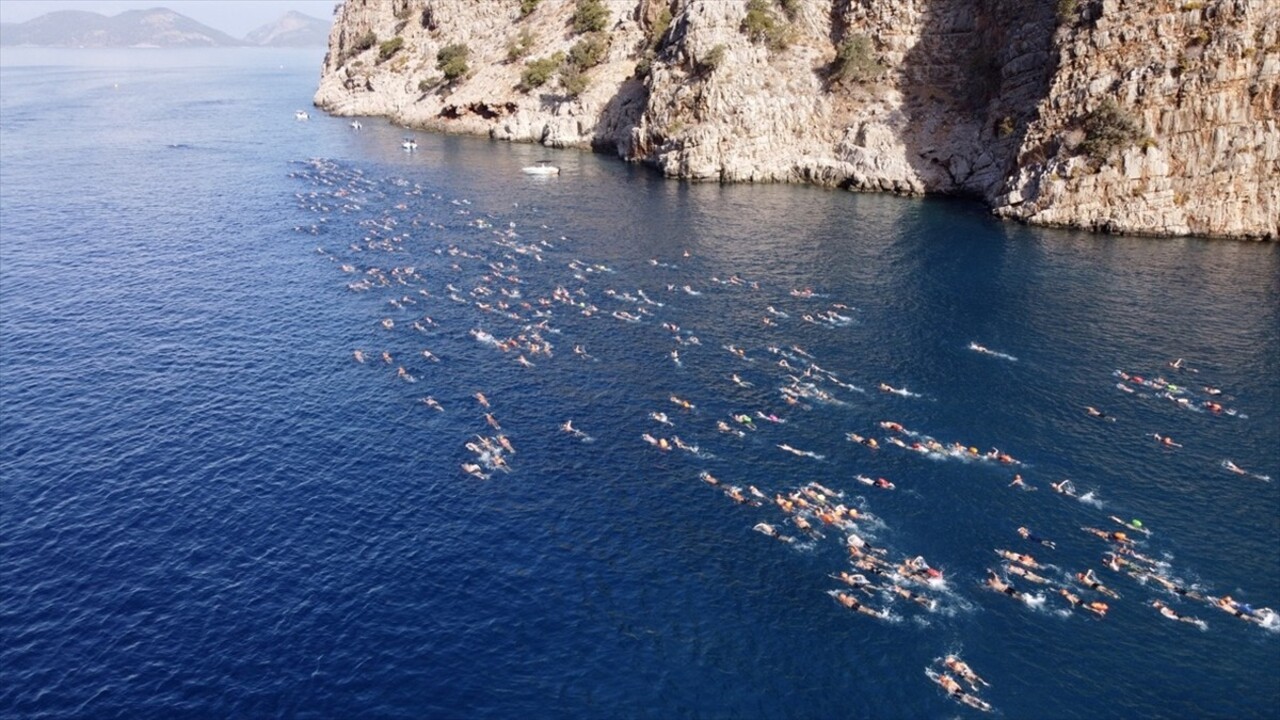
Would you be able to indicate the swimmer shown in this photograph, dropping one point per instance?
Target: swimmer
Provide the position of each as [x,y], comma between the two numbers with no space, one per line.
[430,356]
[683,445]
[1028,535]
[1097,607]
[493,422]
[914,597]
[708,478]
[1165,440]
[480,398]
[740,382]
[662,418]
[962,669]
[1171,586]
[852,603]
[1131,524]
[869,442]
[1021,559]
[386,357]
[876,482]
[772,532]
[1089,580]
[1096,413]
[1172,614]
[1116,537]
[1232,467]
[890,425]
[524,361]
[682,403]
[432,403]
[1071,598]
[1212,390]
[1064,487]
[857,580]
[994,582]
[1018,482]
[1025,573]
[953,689]
[359,356]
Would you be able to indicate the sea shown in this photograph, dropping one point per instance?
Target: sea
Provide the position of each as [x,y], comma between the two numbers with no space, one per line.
[283,430]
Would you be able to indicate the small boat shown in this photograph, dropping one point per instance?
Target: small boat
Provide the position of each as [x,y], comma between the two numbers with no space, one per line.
[409,144]
[301,115]
[355,125]
[544,167]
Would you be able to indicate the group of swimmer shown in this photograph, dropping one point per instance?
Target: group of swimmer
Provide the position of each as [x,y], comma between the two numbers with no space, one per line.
[872,584]
[951,667]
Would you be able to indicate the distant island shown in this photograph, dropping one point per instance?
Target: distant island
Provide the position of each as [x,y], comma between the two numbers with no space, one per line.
[293,29]
[157,27]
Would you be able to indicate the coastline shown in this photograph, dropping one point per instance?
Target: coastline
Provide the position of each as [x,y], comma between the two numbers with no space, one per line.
[1057,128]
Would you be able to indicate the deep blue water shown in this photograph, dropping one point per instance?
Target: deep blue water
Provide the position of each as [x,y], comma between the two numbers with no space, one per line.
[210,509]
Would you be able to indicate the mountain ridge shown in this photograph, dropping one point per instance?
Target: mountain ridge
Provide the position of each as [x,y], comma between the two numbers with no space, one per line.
[154,27]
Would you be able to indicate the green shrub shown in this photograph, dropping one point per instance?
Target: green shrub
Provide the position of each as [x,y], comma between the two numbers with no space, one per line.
[761,25]
[1005,127]
[1067,10]
[712,60]
[426,85]
[452,60]
[590,16]
[528,6]
[590,51]
[644,66]
[521,45]
[363,42]
[759,22]
[538,72]
[573,80]
[1108,129]
[660,26]
[389,48]
[855,61]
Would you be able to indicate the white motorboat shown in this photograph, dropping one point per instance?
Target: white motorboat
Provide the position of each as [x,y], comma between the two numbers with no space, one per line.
[356,125]
[301,115]
[544,167]
[409,144]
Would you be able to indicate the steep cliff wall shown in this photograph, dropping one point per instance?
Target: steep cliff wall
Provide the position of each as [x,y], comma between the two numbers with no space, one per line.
[1153,116]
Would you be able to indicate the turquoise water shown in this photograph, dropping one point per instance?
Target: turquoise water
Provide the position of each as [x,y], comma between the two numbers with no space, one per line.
[212,509]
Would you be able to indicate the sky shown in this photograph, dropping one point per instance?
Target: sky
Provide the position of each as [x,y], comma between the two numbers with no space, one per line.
[233,17]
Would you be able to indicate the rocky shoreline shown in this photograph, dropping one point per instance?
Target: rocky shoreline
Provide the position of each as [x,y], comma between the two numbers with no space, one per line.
[1157,117]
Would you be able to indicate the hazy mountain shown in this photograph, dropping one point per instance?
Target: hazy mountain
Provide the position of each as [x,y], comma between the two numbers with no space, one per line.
[293,29]
[157,27]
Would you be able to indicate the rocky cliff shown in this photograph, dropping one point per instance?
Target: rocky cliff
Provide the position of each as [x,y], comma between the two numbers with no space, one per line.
[1139,116]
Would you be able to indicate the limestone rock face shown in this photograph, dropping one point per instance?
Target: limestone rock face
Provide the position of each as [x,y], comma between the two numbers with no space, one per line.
[1201,80]
[1142,116]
